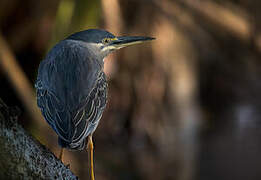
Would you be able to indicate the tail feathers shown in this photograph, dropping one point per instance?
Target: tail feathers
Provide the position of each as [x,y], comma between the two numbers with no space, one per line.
[72,146]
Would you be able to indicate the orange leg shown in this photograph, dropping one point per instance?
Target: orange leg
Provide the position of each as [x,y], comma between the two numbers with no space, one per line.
[90,149]
[61,154]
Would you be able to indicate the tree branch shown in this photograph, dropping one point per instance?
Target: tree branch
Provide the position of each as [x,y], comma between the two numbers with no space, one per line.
[23,157]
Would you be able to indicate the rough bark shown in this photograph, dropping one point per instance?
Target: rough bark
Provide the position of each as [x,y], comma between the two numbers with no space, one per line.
[23,157]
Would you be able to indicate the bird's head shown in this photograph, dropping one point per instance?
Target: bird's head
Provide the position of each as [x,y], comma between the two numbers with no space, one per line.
[104,42]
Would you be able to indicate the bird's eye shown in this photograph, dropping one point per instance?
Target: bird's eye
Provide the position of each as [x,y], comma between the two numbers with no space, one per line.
[106,40]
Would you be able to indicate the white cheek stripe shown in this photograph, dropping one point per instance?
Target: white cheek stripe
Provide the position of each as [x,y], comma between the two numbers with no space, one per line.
[109,48]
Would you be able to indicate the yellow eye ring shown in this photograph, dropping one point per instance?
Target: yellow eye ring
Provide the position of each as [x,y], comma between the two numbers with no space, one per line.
[106,40]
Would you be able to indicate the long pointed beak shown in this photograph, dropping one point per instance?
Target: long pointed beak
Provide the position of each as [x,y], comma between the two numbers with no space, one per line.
[124,41]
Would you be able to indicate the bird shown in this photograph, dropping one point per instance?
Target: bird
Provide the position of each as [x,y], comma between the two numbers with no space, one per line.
[71,86]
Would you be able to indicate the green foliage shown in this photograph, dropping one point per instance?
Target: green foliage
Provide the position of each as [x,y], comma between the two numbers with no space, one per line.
[73,16]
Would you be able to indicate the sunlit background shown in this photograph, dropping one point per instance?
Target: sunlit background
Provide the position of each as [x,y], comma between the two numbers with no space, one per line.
[186,106]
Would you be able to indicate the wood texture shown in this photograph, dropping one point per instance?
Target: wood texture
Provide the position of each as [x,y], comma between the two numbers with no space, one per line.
[23,157]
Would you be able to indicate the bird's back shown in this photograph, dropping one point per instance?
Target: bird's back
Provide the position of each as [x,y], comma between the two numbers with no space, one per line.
[71,91]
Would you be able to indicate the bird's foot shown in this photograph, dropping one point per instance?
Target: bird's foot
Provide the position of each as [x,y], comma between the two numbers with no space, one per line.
[68,166]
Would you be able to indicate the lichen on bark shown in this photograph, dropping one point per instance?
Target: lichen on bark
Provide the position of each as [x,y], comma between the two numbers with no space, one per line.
[22,156]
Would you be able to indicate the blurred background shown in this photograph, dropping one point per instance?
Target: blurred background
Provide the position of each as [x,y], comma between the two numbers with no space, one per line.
[186,106]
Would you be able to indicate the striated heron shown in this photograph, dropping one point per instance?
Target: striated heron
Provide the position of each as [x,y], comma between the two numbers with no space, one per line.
[72,89]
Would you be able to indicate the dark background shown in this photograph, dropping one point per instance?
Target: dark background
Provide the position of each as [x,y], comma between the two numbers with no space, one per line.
[183,107]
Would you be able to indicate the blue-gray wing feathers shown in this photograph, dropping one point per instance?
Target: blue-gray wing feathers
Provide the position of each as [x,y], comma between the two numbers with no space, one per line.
[71,93]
